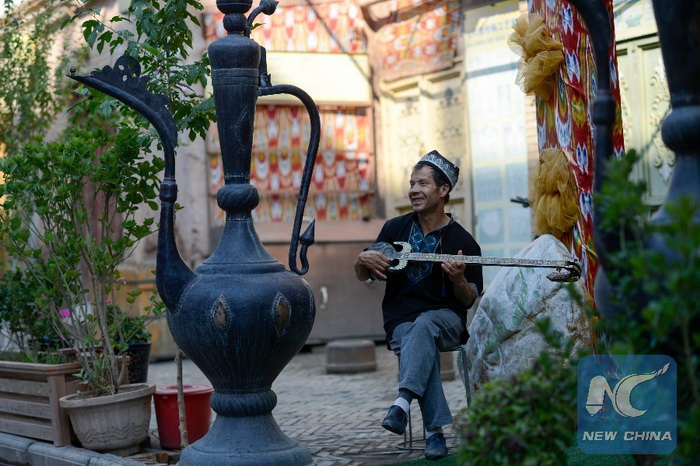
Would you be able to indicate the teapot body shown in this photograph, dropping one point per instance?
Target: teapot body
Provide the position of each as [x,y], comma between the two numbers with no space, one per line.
[241,323]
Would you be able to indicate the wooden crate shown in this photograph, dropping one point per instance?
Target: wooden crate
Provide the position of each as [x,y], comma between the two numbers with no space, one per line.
[29,395]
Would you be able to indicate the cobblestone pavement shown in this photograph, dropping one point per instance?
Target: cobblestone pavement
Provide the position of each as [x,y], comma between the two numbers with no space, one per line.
[336,416]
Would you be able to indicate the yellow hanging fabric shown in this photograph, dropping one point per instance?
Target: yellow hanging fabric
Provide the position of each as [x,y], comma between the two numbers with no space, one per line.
[540,55]
[553,194]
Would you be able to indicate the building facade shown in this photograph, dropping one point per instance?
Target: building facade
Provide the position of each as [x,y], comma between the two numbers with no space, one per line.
[393,79]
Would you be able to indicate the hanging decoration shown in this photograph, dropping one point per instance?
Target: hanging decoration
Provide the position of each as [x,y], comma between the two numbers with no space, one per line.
[342,179]
[319,26]
[553,194]
[341,185]
[540,55]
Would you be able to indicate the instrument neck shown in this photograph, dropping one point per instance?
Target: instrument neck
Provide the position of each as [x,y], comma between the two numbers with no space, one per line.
[428,257]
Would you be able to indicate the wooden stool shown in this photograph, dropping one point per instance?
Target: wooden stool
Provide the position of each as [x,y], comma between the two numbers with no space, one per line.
[350,356]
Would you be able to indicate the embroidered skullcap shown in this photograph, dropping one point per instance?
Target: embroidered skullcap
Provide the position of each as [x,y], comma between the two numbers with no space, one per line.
[449,170]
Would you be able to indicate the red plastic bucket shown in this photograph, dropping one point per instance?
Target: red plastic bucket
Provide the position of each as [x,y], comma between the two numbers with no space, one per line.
[197,413]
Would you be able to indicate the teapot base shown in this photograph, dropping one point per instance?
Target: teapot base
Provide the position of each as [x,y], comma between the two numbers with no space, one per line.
[249,440]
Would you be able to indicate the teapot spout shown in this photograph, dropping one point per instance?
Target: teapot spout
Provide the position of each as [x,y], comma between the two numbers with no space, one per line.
[125,83]
[172,274]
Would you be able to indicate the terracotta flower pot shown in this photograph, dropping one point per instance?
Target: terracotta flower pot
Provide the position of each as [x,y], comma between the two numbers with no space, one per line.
[197,413]
[114,424]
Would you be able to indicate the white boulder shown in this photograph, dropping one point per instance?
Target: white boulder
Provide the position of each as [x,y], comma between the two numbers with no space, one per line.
[504,339]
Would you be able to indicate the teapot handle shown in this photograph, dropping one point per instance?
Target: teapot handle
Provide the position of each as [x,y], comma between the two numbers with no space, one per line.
[307,238]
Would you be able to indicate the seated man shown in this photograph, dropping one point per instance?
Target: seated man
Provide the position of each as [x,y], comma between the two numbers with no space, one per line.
[425,306]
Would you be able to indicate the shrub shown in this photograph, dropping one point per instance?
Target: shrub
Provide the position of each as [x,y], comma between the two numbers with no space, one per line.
[27,329]
[655,303]
[69,217]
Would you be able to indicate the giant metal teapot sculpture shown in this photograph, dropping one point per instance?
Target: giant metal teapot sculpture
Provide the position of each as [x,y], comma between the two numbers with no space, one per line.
[678,22]
[240,316]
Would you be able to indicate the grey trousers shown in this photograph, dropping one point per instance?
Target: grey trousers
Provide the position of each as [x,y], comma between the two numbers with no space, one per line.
[418,345]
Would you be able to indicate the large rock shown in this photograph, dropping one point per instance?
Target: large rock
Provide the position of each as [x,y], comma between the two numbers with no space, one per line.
[504,339]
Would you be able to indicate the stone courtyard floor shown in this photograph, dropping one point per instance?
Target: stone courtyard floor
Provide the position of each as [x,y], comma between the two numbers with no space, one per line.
[336,416]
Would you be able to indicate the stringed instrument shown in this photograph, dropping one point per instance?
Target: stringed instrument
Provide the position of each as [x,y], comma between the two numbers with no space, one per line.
[400,254]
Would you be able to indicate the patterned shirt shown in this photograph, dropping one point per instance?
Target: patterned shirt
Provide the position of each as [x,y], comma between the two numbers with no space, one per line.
[416,271]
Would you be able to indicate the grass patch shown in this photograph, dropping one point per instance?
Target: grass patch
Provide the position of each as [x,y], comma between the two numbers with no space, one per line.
[574,457]
[450,460]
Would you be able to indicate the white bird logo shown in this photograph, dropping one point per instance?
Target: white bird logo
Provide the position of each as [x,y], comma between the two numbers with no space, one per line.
[620,395]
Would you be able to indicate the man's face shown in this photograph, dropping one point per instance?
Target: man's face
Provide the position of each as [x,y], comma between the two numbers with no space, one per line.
[424,194]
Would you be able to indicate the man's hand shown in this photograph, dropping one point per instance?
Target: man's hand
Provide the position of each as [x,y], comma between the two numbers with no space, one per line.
[371,264]
[455,270]
[462,289]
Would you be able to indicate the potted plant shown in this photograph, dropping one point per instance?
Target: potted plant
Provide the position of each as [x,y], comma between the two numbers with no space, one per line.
[32,362]
[69,217]
[68,208]
[25,333]
[132,330]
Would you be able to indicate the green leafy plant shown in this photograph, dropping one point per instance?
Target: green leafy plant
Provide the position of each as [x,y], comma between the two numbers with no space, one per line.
[529,419]
[32,90]
[69,212]
[132,327]
[18,311]
[129,328]
[29,334]
[158,35]
[69,216]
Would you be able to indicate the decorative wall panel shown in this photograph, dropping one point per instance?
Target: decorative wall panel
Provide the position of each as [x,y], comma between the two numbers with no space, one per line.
[496,112]
[316,33]
[342,178]
[633,18]
[402,141]
[445,125]
[330,26]
[421,38]
[420,114]
[645,103]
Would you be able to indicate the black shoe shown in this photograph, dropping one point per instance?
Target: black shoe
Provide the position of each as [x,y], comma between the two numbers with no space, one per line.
[395,420]
[435,447]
